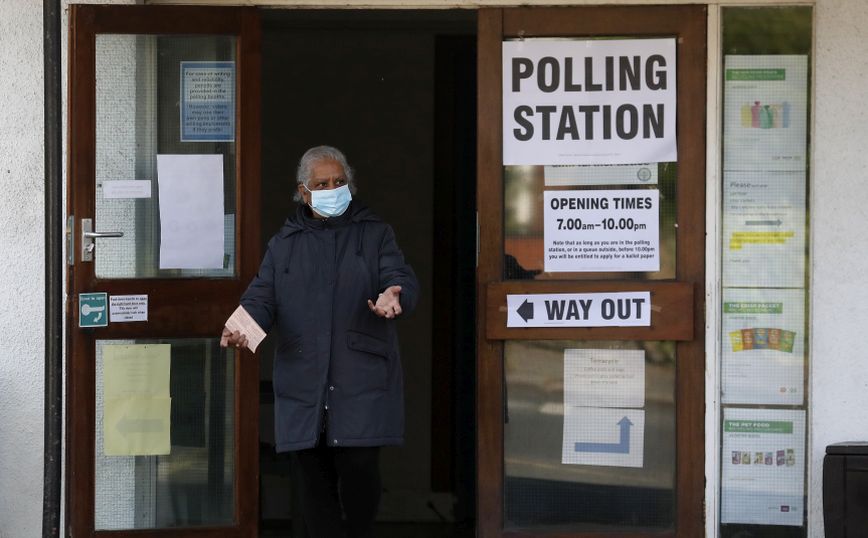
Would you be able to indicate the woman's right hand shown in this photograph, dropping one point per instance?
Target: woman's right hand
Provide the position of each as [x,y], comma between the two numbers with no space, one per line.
[232,339]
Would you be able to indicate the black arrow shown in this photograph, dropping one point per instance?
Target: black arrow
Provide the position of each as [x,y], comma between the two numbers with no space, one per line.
[525,310]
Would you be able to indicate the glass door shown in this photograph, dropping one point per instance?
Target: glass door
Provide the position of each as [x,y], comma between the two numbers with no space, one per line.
[163,237]
[591,188]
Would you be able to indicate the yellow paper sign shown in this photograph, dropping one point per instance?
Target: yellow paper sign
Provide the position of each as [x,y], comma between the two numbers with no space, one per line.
[137,404]
[137,426]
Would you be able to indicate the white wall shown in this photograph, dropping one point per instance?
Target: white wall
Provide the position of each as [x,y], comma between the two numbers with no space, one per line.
[21,279]
[839,372]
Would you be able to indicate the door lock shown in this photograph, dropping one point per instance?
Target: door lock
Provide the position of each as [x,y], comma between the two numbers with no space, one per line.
[88,236]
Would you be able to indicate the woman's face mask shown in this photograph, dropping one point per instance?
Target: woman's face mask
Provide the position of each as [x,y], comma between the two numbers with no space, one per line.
[330,202]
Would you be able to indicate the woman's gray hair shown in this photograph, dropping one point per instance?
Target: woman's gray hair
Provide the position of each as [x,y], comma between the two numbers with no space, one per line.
[313,156]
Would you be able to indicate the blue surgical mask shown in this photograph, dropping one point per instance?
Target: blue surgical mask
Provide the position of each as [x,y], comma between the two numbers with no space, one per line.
[330,203]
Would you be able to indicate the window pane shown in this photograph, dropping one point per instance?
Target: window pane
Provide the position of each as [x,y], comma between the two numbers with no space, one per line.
[525,188]
[147,477]
[138,116]
[764,360]
[569,462]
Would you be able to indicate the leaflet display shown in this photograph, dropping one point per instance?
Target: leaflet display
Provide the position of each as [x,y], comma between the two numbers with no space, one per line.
[763,467]
[764,229]
[763,346]
[765,105]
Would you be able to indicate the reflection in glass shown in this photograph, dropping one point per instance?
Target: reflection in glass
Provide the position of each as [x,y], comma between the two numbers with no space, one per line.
[138,117]
[194,484]
[542,493]
[524,230]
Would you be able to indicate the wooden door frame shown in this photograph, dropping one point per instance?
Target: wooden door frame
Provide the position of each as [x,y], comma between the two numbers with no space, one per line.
[688,23]
[86,21]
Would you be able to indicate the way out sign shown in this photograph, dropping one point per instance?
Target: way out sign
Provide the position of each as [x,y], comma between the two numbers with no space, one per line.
[615,309]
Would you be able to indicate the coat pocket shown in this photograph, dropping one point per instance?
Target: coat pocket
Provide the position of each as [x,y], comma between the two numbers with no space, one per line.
[370,359]
[295,377]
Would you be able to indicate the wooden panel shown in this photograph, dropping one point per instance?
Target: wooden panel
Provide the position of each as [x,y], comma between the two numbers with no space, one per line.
[489,189]
[671,311]
[626,21]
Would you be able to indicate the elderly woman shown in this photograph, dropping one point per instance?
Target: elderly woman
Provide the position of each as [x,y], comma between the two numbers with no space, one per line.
[333,280]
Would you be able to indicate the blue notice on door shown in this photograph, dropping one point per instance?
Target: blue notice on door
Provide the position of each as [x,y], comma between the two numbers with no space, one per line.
[207,101]
[93,309]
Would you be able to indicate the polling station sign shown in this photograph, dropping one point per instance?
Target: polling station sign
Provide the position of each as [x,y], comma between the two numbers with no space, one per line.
[589,102]
[613,309]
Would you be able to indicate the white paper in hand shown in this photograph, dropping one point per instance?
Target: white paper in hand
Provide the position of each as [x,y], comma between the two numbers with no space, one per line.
[241,321]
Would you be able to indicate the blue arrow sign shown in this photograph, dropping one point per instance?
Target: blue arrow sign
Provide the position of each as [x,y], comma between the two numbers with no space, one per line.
[621,447]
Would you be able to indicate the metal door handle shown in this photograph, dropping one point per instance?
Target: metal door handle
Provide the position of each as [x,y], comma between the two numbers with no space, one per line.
[102,234]
[87,237]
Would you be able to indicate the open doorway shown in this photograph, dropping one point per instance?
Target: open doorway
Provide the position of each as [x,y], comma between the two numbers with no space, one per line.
[396,91]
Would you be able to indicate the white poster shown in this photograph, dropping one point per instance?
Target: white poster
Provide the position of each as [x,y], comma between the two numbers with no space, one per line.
[607,309]
[604,378]
[591,230]
[765,119]
[603,436]
[763,346]
[191,211]
[596,101]
[126,308]
[126,188]
[764,229]
[763,467]
[613,174]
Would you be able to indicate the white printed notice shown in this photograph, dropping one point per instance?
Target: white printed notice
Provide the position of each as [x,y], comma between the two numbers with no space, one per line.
[598,101]
[126,188]
[603,436]
[126,308]
[604,378]
[615,174]
[763,346]
[763,467]
[764,229]
[191,211]
[765,124]
[612,309]
[207,101]
[591,230]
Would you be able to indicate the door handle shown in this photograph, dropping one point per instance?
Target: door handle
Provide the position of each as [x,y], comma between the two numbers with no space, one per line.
[102,234]
[87,237]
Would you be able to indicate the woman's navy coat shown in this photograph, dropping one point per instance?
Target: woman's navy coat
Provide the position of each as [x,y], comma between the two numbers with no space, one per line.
[337,366]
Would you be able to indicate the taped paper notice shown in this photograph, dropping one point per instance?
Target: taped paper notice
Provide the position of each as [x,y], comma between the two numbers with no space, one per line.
[241,321]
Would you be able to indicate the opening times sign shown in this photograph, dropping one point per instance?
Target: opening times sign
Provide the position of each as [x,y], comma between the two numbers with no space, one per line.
[612,230]
[589,102]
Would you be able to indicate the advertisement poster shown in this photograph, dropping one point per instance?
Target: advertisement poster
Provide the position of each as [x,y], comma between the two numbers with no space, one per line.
[583,102]
[207,101]
[764,229]
[763,467]
[763,346]
[593,230]
[765,118]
